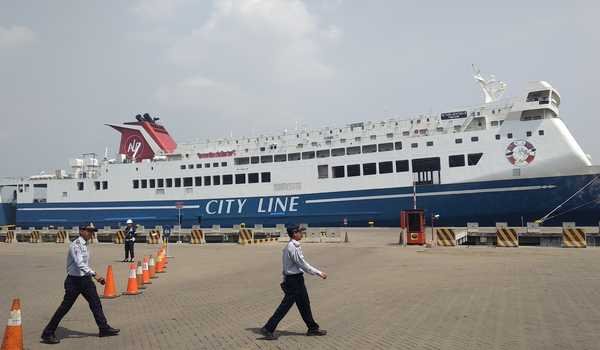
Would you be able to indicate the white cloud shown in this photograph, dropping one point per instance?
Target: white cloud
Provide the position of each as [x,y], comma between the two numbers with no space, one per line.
[157,9]
[332,33]
[269,40]
[329,5]
[250,58]
[226,105]
[15,36]
[201,92]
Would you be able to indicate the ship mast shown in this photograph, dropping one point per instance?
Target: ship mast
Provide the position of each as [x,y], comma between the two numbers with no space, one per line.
[492,89]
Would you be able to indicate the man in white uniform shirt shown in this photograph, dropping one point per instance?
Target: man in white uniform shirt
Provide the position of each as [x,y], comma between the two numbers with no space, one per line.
[79,281]
[293,286]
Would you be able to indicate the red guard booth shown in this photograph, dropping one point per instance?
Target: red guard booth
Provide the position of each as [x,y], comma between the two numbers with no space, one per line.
[413,221]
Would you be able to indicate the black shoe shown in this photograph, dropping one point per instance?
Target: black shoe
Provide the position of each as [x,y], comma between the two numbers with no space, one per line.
[268,335]
[316,332]
[108,332]
[50,339]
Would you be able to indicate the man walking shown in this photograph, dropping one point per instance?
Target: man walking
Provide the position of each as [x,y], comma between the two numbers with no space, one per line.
[293,286]
[79,281]
[129,241]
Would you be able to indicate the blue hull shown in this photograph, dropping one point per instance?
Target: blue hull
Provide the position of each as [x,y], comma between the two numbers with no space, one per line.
[7,214]
[514,201]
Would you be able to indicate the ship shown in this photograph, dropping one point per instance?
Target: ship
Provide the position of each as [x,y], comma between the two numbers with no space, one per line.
[509,160]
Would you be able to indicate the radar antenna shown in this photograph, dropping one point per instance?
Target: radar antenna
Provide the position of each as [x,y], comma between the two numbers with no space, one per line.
[492,89]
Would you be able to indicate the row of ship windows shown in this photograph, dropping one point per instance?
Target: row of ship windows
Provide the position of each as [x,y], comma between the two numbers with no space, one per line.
[206,165]
[323,172]
[325,153]
[214,180]
[98,185]
[387,167]
[336,152]
[494,123]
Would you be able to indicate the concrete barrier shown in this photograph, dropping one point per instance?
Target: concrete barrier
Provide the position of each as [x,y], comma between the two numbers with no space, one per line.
[35,236]
[153,237]
[119,237]
[311,236]
[445,237]
[573,237]
[62,237]
[506,237]
[245,236]
[197,236]
[332,236]
[10,237]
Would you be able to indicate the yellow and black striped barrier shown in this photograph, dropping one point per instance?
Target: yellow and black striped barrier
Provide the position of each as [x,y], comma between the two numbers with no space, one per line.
[506,237]
[445,237]
[35,237]
[10,237]
[153,237]
[119,237]
[245,236]
[197,237]
[573,238]
[62,236]
[266,240]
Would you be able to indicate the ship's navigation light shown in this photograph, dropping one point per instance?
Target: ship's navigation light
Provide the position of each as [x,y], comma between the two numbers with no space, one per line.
[138,117]
[148,118]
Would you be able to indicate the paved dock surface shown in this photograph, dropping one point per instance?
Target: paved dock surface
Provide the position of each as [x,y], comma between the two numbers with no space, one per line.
[378,296]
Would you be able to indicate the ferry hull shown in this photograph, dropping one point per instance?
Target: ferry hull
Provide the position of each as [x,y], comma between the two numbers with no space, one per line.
[7,214]
[515,201]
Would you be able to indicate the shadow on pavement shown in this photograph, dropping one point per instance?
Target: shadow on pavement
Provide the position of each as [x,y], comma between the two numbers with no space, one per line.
[62,333]
[277,333]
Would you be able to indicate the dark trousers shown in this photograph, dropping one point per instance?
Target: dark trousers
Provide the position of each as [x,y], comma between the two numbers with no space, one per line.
[129,250]
[73,287]
[295,292]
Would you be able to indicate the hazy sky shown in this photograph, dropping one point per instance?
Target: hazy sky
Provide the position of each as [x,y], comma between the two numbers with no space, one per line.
[214,67]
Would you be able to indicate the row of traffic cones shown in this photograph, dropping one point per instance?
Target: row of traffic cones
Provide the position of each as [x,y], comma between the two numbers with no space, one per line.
[139,275]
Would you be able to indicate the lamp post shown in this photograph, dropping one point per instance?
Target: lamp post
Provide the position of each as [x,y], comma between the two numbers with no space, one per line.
[179,206]
[433,235]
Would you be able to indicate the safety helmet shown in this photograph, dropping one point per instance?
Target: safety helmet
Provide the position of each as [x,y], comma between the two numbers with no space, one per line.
[129,221]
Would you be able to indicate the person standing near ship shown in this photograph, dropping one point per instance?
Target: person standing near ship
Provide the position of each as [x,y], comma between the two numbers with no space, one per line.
[79,281]
[293,286]
[129,241]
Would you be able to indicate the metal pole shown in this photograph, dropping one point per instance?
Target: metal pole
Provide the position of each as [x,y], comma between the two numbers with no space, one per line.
[433,236]
[166,245]
[414,195]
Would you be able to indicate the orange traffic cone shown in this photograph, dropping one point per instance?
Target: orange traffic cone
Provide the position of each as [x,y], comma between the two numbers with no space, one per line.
[139,273]
[110,289]
[159,264]
[145,271]
[132,286]
[161,254]
[152,268]
[13,335]
[164,251]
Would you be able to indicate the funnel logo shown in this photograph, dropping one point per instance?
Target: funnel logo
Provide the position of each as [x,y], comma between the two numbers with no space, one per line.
[134,146]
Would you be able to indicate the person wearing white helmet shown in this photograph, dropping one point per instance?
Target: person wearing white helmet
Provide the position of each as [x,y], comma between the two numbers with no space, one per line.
[129,241]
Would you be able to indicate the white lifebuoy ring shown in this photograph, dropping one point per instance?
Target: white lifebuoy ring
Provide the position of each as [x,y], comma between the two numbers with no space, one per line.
[520,153]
